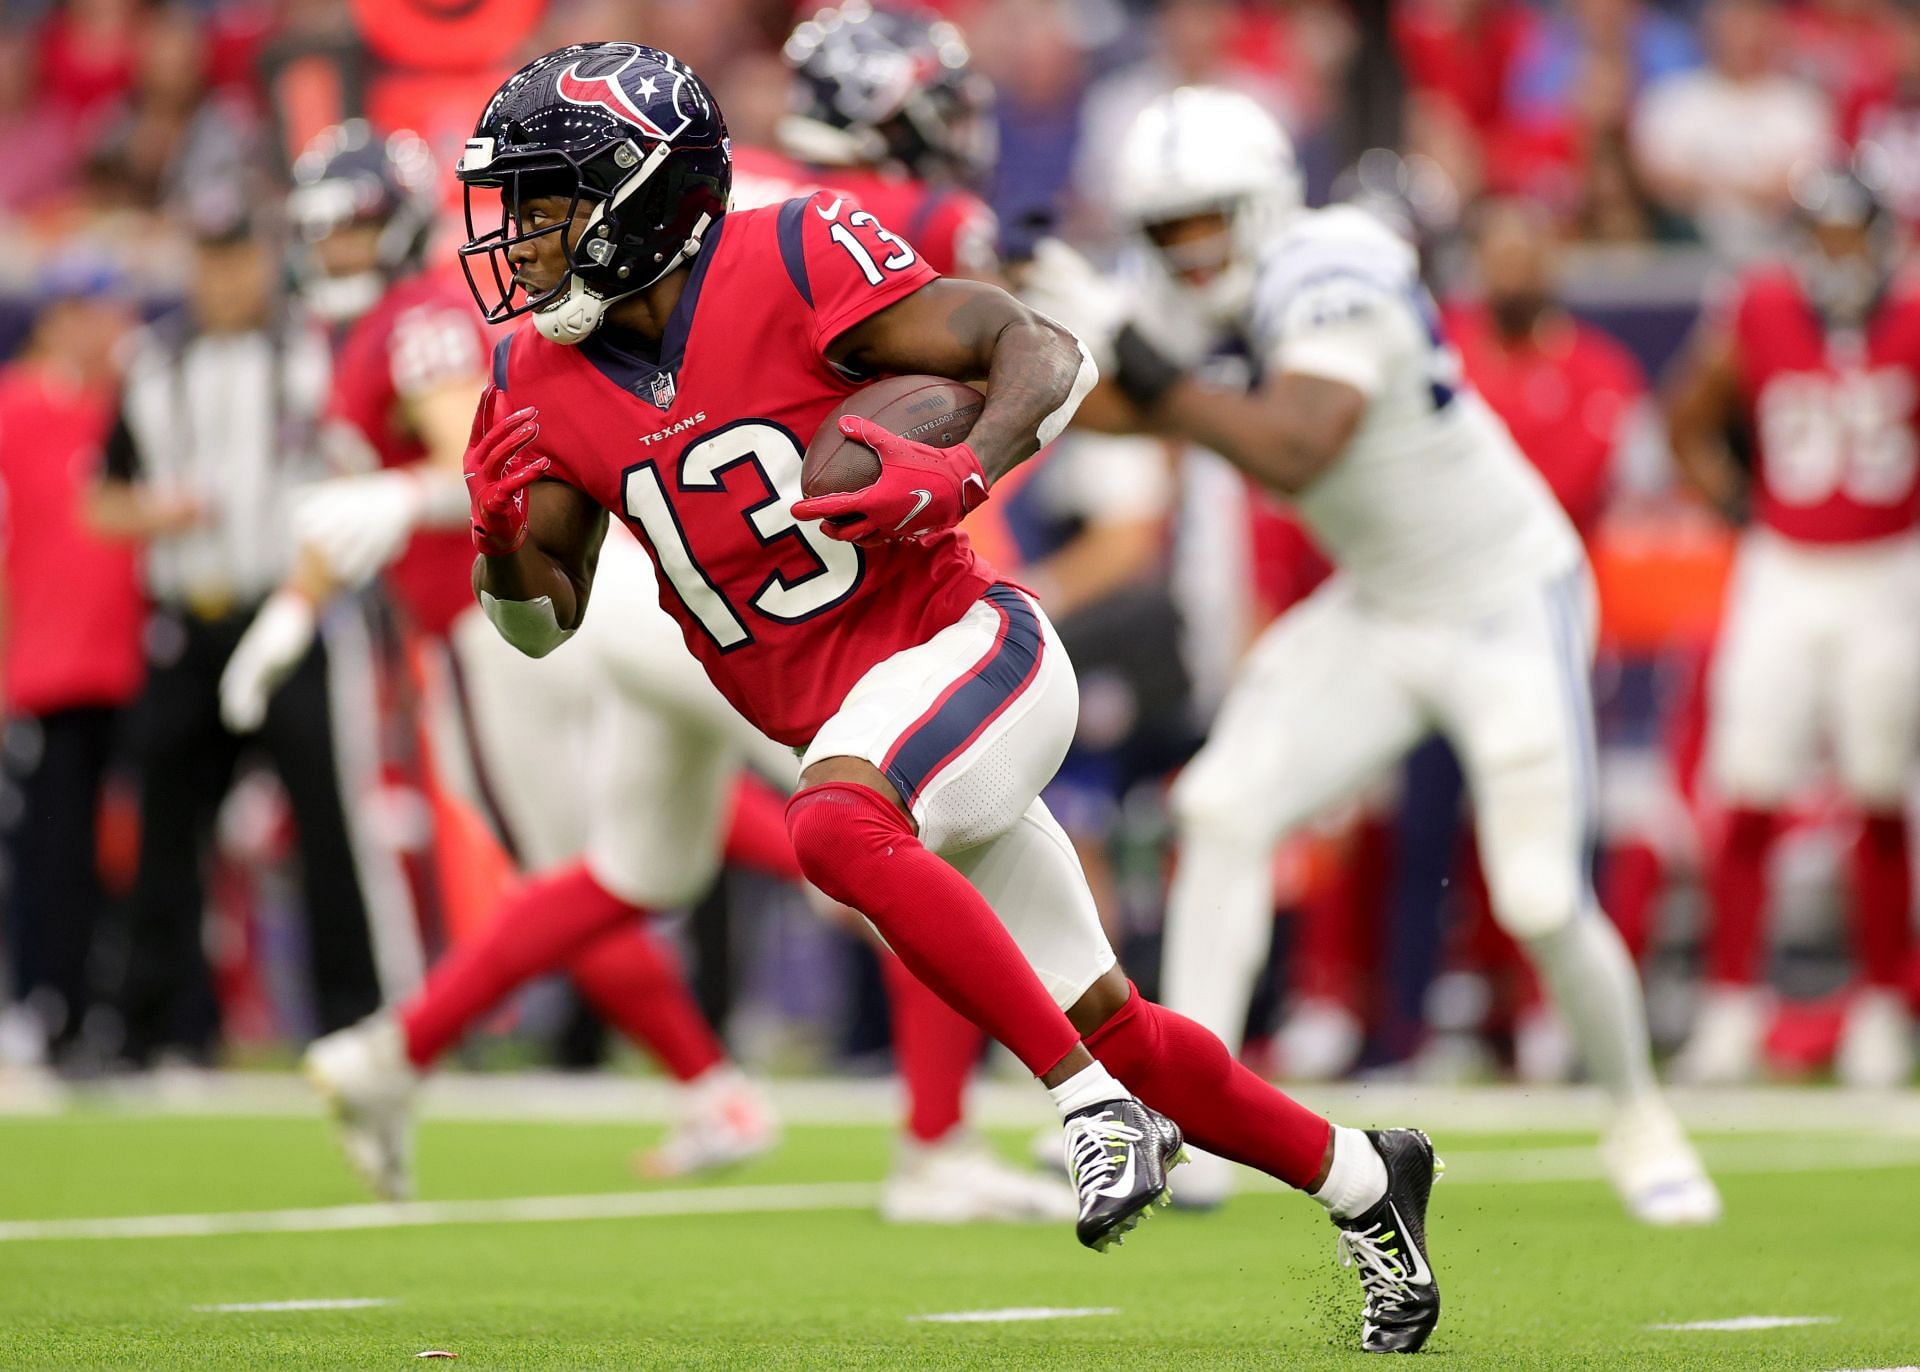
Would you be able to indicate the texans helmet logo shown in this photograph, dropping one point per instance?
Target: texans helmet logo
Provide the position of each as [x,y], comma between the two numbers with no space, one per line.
[605,92]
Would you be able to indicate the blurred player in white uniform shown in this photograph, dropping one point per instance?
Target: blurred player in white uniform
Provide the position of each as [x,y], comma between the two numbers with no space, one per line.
[1461,601]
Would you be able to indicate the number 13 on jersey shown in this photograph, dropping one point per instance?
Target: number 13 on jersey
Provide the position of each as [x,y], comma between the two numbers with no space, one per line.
[703,472]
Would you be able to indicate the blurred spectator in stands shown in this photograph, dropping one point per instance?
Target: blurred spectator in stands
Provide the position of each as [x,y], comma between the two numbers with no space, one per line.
[1573,84]
[1720,145]
[1611,202]
[1307,46]
[175,131]
[1029,50]
[1459,57]
[88,52]
[41,140]
[1883,122]
[1845,47]
[70,615]
[216,427]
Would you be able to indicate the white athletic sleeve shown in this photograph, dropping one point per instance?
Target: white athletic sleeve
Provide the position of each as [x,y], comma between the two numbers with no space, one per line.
[1343,328]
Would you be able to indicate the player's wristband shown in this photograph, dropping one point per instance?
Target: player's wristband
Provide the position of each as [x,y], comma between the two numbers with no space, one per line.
[1143,373]
[529,625]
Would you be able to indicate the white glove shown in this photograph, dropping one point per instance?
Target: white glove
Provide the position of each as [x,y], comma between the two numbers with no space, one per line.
[358,524]
[266,655]
[1063,285]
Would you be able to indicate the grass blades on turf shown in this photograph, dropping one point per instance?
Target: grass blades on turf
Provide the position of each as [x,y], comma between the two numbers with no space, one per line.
[1546,1274]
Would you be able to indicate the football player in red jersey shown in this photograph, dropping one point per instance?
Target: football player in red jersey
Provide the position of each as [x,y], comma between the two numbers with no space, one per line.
[411,358]
[1819,359]
[887,109]
[678,354]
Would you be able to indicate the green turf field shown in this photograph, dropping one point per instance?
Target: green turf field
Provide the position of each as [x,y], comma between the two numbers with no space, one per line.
[1536,1273]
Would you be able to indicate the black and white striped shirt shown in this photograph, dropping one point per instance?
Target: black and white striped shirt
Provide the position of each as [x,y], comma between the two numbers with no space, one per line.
[232,420]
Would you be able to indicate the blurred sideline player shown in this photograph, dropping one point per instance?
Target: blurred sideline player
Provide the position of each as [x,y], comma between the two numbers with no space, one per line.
[1461,601]
[1819,360]
[410,361]
[932,699]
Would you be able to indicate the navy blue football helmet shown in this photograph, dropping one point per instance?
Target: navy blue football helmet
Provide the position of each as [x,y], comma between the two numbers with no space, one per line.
[629,131]
[352,175]
[878,87]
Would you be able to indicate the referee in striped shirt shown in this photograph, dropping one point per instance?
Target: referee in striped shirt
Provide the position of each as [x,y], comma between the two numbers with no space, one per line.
[216,426]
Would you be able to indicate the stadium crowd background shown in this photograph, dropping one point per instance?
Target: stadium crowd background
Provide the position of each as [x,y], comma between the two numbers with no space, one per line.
[1601,163]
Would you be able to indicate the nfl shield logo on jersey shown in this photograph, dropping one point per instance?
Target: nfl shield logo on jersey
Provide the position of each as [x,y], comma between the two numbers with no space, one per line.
[661,391]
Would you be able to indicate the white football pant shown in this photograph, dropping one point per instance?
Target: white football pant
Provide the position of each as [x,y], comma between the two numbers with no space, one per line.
[1334,693]
[1821,646]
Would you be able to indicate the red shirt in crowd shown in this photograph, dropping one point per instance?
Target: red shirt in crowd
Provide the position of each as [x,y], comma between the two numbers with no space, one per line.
[1563,392]
[1462,55]
[73,609]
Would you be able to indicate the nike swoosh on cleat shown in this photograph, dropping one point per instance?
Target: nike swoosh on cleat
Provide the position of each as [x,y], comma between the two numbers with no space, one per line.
[1421,1275]
[1125,1184]
[926,499]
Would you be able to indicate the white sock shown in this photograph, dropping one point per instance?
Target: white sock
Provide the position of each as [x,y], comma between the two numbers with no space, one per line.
[1091,1085]
[1358,1178]
[1596,989]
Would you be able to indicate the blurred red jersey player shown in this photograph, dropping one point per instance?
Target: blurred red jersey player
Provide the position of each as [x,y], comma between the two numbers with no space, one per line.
[1820,361]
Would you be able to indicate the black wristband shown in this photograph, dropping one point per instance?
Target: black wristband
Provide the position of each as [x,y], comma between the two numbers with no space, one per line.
[1142,372]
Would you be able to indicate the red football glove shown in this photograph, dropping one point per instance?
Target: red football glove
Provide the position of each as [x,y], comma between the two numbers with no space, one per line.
[498,474]
[920,490]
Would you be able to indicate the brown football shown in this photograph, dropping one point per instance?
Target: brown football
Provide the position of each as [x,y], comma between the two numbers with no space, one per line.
[926,409]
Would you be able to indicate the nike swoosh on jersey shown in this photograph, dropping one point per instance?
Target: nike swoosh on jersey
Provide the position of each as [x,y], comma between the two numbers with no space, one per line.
[926,499]
[1421,1274]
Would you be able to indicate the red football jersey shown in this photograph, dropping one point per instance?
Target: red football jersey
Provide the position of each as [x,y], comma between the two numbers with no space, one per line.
[951,229]
[700,454]
[1835,415]
[1564,393]
[424,334]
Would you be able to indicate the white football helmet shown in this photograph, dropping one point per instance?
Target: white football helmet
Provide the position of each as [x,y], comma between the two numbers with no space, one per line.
[1198,150]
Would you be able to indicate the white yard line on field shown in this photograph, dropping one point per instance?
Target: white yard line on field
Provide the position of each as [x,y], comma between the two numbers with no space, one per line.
[1015,1314]
[1465,1167]
[1743,1323]
[269,1307]
[549,1096]
[718,1200]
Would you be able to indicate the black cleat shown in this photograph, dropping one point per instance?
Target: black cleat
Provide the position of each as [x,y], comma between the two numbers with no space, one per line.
[1118,1155]
[1389,1245]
